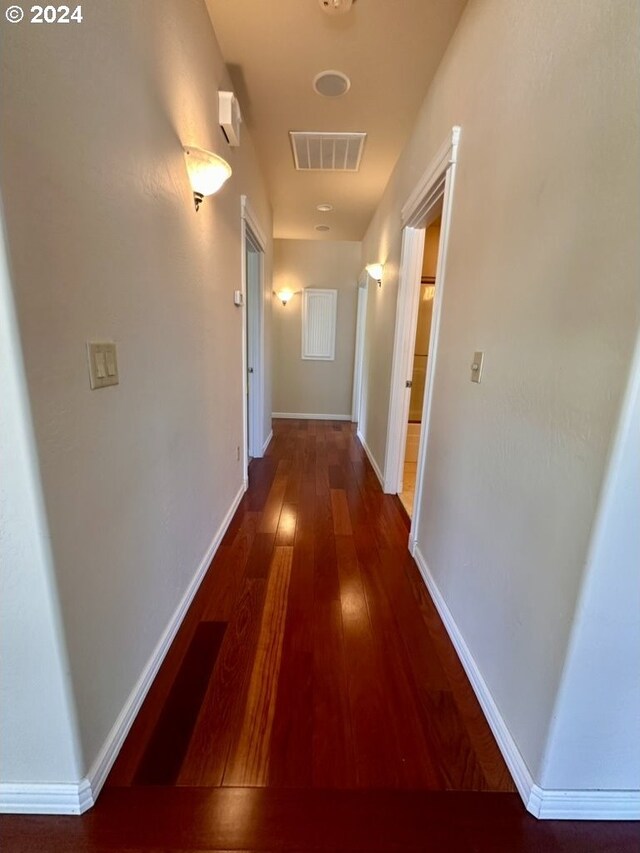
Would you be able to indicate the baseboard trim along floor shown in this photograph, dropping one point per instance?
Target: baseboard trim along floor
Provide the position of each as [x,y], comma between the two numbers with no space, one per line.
[540,802]
[76,797]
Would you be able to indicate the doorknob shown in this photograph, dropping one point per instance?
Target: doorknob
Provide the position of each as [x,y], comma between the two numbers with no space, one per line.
[251,370]
[408,383]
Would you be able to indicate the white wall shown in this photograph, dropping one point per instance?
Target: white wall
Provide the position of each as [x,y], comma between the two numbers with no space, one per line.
[105,243]
[542,275]
[35,744]
[594,739]
[314,387]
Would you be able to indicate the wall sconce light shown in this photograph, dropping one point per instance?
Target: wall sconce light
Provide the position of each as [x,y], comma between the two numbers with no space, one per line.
[376,271]
[284,295]
[207,172]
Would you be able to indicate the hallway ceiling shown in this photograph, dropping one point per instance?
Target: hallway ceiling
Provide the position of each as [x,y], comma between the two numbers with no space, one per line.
[390,50]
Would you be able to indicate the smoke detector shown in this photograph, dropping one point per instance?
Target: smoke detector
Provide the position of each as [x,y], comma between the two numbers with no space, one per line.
[331,84]
[335,7]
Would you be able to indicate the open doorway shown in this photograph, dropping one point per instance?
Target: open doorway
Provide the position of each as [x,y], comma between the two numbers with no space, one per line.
[421,351]
[430,200]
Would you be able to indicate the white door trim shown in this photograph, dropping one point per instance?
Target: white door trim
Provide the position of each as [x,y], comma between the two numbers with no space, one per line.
[404,339]
[433,348]
[249,216]
[361,319]
[436,184]
[252,235]
[414,210]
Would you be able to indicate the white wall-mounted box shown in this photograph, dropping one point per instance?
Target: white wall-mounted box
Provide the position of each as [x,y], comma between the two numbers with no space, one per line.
[229,117]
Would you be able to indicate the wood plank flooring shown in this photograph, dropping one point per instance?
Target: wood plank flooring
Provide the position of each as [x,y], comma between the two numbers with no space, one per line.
[312,699]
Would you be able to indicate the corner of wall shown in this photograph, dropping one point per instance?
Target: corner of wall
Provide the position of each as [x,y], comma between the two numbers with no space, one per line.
[584,733]
[35,745]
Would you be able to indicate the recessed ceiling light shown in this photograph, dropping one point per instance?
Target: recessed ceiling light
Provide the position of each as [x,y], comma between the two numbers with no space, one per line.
[331,84]
[325,208]
[322,228]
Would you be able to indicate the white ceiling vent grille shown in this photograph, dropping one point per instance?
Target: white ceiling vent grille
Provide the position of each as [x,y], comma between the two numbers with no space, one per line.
[327,152]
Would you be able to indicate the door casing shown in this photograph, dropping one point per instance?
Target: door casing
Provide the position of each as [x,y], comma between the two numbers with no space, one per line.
[433,189]
[361,320]
[253,245]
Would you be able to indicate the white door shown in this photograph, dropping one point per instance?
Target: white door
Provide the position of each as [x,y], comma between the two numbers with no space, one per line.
[253,267]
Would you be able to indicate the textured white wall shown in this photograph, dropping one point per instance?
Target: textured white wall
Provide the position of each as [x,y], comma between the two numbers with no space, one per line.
[38,735]
[314,387]
[542,275]
[105,243]
[594,742]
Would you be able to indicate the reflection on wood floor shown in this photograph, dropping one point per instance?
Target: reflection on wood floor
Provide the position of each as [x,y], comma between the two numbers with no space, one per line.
[311,699]
[334,670]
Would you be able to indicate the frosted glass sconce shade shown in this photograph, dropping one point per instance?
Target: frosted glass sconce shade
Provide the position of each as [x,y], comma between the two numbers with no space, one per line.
[375,271]
[284,295]
[207,172]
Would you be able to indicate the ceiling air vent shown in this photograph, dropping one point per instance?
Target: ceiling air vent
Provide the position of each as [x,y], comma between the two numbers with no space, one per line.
[327,152]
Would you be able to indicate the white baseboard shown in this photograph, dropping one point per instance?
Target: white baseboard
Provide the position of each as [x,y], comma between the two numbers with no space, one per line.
[77,797]
[107,755]
[305,416]
[548,804]
[371,459]
[267,443]
[511,754]
[71,798]
[543,803]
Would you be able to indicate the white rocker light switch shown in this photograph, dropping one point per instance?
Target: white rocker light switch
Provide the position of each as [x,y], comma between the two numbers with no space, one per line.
[103,364]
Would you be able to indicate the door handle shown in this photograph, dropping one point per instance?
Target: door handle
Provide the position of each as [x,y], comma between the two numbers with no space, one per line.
[408,383]
[251,370]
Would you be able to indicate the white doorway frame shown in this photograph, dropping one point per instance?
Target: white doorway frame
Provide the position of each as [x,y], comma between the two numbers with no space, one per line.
[435,187]
[358,360]
[252,239]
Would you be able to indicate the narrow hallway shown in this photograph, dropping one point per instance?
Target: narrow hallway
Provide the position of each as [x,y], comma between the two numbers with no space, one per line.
[326,664]
[312,699]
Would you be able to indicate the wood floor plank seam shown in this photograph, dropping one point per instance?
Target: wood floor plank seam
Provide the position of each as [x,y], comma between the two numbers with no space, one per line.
[248,763]
[221,710]
[165,751]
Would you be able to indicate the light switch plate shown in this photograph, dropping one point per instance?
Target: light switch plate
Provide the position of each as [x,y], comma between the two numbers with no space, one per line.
[238,298]
[476,366]
[103,364]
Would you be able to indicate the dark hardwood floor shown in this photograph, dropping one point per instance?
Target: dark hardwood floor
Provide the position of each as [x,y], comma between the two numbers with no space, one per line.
[312,699]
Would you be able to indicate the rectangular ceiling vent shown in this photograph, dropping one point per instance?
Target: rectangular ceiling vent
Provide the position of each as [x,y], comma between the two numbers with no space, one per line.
[327,152]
